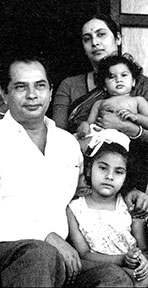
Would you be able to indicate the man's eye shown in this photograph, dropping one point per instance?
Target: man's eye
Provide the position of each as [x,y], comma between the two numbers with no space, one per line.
[20,88]
[40,86]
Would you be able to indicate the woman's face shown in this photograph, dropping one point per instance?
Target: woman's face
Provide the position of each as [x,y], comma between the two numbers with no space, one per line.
[98,40]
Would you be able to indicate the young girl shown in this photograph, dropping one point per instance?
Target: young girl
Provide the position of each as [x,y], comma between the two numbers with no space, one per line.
[101,228]
[117,75]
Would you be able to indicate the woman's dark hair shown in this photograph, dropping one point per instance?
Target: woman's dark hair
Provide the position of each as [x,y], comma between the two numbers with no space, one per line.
[110,148]
[106,18]
[114,59]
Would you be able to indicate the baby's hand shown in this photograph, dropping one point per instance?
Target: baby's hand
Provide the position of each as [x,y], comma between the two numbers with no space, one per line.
[141,271]
[126,114]
[132,258]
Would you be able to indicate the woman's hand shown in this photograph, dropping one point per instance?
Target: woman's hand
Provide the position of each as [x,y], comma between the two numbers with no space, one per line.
[110,120]
[70,255]
[137,202]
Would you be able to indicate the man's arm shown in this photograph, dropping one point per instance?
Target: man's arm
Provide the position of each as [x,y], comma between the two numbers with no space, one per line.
[70,255]
[137,203]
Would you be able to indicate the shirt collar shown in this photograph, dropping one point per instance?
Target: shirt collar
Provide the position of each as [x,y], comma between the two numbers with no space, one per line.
[13,123]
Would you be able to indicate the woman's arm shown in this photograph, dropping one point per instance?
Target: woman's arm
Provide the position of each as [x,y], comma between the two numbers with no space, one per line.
[61,104]
[94,112]
[82,247]
[139,231]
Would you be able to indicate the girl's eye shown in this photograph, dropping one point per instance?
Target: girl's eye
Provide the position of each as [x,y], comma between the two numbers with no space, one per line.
[122,172]
[102,167]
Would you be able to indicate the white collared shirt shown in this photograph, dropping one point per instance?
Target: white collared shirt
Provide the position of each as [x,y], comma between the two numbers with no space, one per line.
[35,188]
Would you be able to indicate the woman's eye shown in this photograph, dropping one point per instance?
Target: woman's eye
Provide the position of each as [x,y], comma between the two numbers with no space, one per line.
[86,39]
[101,34]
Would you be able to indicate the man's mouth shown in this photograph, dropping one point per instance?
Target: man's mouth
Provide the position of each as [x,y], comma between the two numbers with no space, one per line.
[32,107]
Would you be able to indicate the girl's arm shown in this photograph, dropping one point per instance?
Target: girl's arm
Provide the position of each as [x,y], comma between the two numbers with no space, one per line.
[78,241]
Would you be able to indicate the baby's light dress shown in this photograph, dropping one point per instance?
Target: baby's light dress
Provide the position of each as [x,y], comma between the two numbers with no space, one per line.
[105,231]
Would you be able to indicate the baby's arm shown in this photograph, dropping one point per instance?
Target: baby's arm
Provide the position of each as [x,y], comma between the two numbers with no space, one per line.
[141,117]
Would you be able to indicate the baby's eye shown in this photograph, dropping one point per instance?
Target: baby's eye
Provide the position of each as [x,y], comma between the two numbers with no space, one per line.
[111,76]
[124,74]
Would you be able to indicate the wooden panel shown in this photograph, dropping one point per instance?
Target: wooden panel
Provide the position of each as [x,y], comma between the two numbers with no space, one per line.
[135,42]
[134,6]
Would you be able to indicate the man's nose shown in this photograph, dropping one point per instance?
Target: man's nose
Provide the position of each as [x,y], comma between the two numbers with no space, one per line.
[31,93]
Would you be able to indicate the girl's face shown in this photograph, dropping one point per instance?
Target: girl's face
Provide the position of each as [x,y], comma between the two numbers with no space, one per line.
[98,40]
[108,174]
[120,80]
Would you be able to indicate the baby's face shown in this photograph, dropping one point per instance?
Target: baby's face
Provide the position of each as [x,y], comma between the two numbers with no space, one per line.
[120,80]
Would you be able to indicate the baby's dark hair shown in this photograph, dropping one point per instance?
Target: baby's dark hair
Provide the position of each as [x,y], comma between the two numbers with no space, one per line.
[110,148]
[114,59]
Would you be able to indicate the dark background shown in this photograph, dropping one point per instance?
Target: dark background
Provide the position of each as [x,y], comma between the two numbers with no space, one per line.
[50,28]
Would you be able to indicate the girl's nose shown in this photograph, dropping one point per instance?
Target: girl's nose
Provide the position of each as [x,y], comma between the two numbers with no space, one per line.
[109,176]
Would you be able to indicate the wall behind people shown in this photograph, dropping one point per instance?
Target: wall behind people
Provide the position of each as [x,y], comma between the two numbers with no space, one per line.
[48,27]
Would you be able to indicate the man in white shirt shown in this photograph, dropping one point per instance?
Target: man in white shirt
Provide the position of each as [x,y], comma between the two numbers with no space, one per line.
[39,169]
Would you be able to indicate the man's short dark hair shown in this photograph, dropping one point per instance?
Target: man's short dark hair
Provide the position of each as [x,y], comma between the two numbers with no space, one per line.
[8,60]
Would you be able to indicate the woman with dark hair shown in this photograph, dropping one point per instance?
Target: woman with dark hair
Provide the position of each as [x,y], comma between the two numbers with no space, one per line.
[75,95]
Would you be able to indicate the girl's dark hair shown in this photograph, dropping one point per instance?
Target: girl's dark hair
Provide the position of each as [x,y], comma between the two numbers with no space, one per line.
[110,148]
[106,18]
[114,59]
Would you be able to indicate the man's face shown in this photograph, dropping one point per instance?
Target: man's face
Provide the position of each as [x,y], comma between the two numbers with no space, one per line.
[29,93]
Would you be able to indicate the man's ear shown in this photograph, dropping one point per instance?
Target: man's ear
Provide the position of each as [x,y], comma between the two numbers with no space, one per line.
[118,39]
[3,95]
